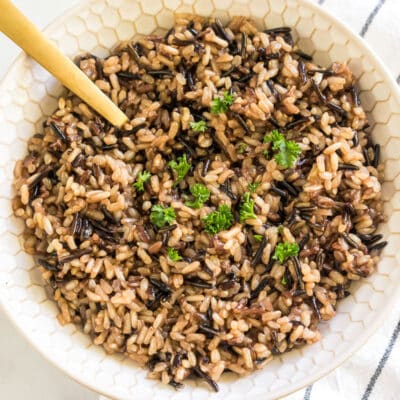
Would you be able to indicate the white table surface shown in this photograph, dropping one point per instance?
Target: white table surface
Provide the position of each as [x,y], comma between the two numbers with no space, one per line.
[24,373]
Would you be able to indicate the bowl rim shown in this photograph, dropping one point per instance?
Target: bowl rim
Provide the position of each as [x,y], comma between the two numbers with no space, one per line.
[353,346]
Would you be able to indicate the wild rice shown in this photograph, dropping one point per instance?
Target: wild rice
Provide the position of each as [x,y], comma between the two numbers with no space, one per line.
[225,302]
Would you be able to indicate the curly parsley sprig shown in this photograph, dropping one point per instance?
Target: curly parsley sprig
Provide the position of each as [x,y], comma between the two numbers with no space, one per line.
[247,208]
[141,179]
[200,193]
[286,151]
[161,216]
[218,220]
[182,167]
[199,126]
[221,104]
[173,254]
[285,250]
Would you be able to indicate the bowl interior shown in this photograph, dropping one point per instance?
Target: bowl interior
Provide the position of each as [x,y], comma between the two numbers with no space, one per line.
[28,93]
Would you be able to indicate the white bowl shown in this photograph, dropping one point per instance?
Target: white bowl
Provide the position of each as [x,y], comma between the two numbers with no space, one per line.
[28,93]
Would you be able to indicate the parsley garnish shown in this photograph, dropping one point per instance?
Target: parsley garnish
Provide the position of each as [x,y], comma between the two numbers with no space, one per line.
[242,148]
[221,104]
[173,254]
[286,151]
[218,220]
[199,126]
[247,208]
[285,250]
[259,238]
[181,168]
[161,216]
[141,179]
[284,280]
[200,193]
[253,186]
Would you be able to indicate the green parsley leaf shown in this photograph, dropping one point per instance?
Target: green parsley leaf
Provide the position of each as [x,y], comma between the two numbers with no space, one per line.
[289,153]
[182,167]
[161,216]
[218,220]
[173,254]
[284,280]
[200,193]
[221,104]
[273,137]
[286,151]
[247,208]
[285,250]
[199,126]
[253,186]
[259,238]
[141,179]
[242,148]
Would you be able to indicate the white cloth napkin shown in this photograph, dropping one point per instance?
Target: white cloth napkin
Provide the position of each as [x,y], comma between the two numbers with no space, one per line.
[372,373]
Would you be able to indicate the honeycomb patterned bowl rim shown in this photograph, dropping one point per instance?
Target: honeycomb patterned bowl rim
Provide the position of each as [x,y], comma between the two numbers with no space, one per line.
[247,384]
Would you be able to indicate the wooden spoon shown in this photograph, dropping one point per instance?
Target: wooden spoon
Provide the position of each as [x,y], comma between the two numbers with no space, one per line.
[22,32]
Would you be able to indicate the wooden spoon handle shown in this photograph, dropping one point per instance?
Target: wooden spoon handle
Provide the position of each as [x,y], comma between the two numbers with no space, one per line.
[22,32]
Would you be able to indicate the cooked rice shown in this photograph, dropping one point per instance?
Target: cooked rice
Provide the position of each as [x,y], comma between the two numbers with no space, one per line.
[227,305]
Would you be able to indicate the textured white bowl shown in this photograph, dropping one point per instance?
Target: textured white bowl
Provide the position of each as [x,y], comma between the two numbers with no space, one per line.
[28,93]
